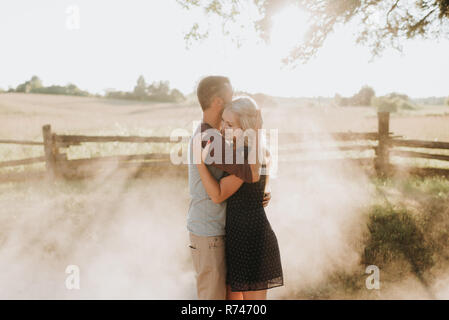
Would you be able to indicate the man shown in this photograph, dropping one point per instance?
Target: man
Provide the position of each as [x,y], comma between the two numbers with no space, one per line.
[206,219]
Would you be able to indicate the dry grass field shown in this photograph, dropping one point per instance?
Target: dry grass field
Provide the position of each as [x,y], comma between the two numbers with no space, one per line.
[129,239]
[22,116]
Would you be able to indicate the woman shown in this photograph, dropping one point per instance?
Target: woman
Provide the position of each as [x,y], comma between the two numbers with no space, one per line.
[252,254]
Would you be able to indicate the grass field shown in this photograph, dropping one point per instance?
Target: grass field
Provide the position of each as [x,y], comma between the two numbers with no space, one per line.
[129,239]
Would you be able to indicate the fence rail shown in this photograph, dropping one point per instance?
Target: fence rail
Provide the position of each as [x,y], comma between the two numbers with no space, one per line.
[413,154]
[21,142]
[337,136]
[22,162]
[419,144]
[76,140]
[57,164]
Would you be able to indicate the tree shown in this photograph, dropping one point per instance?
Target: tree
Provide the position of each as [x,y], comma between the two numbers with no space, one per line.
[364,96]
[380,23]
[35,83]
[361,98]
[140,90]
[29,86]
[176,95]
[159,90]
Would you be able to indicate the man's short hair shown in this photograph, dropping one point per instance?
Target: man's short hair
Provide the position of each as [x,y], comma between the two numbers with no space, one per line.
[209,87]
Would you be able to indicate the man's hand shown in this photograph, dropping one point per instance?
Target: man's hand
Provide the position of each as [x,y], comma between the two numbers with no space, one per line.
[266,198]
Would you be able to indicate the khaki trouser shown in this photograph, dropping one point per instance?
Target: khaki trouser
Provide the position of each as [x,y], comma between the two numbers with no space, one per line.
[208,254]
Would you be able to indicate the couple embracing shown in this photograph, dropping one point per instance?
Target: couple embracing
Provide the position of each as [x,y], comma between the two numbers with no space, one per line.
[234,250]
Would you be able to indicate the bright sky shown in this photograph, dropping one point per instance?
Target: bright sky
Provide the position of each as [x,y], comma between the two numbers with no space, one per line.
[118,40]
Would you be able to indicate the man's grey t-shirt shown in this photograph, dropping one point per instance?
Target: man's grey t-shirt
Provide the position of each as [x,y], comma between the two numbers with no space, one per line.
[206,218]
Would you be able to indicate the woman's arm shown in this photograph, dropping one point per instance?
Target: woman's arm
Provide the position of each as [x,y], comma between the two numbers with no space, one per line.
[218,191]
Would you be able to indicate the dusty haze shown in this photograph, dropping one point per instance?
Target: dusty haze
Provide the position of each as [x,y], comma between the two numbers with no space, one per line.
[128,236]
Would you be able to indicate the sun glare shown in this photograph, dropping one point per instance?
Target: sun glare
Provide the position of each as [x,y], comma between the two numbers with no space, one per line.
[288,29]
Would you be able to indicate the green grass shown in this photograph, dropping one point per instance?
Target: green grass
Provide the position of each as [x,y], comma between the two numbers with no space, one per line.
[393,233]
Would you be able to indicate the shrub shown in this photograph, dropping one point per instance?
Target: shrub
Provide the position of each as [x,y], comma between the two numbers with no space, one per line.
[70,89]
[361,98]
[177,95]
[384,104]
[394,234]
[392,103]
[404,104]
[401,96]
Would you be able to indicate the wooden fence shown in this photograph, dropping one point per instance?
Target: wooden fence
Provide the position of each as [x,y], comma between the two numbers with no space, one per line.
[58,165]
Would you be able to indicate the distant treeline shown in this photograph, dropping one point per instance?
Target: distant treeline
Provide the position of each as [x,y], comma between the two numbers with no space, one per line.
[34,85]
[157,91]
[391,102]
[160,91]
[433,100]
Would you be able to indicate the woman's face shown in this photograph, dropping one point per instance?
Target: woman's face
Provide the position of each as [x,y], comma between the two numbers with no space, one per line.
[231,122]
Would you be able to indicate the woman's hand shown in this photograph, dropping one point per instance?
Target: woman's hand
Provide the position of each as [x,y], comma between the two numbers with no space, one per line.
[200,154]
[266,198]
[205,152]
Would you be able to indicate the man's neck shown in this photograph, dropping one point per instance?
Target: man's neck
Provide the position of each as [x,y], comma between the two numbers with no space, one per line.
[211,119]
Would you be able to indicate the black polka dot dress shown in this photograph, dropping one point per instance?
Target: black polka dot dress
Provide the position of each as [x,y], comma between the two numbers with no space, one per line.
[252,254]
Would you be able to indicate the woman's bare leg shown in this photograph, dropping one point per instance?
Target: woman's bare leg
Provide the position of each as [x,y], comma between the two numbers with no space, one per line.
[255,295]
[230,295]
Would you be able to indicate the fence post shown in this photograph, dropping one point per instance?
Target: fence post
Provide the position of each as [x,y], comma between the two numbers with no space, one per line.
[382,151]
[49,148]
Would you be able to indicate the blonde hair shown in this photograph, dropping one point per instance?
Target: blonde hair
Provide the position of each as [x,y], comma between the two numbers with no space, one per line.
[250,117]
[247,111]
